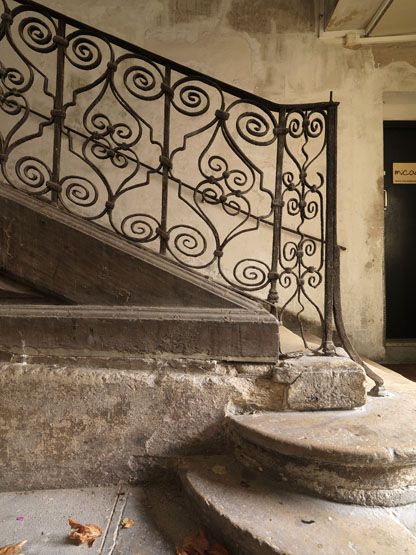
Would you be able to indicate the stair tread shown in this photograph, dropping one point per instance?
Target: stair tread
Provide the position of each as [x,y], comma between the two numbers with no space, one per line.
[383,432]
[261,517]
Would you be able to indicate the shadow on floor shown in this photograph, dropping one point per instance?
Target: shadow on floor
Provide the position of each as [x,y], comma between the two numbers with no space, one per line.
[406,370]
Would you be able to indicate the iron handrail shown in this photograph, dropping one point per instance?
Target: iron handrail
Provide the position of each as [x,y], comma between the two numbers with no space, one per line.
[290,263]
[157,58]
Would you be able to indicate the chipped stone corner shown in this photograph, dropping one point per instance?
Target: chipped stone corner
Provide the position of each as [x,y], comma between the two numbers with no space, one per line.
[321,383]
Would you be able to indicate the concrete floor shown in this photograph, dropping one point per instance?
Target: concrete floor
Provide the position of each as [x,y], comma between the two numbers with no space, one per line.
[41,518]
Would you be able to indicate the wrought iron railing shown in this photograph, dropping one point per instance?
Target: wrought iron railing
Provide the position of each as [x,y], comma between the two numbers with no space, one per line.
[220,180]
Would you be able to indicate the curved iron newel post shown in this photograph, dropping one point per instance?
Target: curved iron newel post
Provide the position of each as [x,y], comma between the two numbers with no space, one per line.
[217,179]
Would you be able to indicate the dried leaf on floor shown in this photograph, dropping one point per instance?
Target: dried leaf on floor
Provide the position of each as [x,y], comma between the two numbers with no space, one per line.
[219,469]
[194,545]
[14,549]
[83,533]
[199,545]
[127,523]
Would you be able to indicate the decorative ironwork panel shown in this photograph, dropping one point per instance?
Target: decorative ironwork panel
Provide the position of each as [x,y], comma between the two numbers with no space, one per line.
[213,177]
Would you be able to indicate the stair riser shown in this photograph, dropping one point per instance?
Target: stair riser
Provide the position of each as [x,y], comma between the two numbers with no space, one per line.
[237,541]
[63,426]
[187,332]
[361,485]
[256,516]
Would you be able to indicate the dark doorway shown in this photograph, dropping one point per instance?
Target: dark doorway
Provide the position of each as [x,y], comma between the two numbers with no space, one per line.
[400,228]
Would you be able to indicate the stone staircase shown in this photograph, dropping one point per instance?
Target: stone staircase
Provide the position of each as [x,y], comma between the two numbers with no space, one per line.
[256,516]
[359,456]
[103,294]
[142,331]
[304,482]
[308,483]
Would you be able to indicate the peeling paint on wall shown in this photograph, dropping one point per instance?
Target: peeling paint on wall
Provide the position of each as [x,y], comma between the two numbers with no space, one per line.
[183,11]
[266,16]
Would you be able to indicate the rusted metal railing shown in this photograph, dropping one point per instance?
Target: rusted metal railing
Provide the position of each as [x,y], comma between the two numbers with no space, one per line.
[218,179]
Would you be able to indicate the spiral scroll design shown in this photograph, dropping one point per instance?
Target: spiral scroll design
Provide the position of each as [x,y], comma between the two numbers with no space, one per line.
[11,103]
[187,241]
[314,124]
[251,274]
[33,173]
[311,209]
[234,205]
[83,52]
[141,228]
[219,170]
[143,80]
[190,98]
[256,128]
[209,192]
[37,33]
[14,80]
[80,191]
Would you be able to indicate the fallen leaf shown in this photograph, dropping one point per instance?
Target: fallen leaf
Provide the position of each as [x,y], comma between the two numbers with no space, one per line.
[219,469]
[194,545]
[12,549]
[83,533]
[127,523]
[199,545]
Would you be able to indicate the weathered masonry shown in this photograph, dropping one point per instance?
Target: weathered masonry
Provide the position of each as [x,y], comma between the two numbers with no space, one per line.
[172,284]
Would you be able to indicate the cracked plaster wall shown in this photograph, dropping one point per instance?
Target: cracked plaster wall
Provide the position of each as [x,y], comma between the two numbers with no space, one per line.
[270,47]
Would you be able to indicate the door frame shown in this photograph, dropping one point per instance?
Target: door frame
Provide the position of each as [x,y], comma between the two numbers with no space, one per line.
[392,342]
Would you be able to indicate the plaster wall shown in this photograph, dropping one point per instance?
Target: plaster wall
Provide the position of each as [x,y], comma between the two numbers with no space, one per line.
[270,48]
[399,106]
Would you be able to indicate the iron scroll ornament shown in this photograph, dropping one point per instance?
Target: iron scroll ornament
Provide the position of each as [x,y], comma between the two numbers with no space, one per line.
[215,178]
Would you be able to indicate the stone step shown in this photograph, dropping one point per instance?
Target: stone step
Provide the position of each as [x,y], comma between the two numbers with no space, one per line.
[255,516]
[84,330]
[365,456]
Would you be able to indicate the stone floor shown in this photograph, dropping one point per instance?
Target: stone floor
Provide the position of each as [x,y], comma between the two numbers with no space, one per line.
[41,518]
[162,521]
[406,370]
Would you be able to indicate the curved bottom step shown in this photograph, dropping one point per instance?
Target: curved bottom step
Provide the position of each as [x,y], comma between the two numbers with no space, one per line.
[365,456]
[255,516]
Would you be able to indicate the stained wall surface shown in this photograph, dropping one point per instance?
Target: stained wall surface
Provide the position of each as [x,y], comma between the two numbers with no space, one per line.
[270,47]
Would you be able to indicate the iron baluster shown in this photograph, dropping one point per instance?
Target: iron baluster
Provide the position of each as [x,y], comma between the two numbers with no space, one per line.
[165,161]
[330,229]
[273,296]
[58,112]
